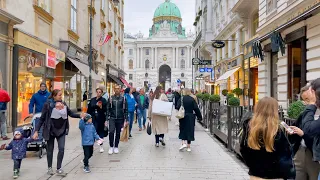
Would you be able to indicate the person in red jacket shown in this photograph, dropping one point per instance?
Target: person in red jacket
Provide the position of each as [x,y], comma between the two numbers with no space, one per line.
[4,99]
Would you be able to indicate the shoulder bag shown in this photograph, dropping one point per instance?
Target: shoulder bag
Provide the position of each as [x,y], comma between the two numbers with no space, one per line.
[181,112]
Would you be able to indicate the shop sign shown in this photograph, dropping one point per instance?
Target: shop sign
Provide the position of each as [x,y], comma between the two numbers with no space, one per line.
[113,72]
[202,70]
[51,59]
[303,10]
[232,64]
[61,56]
[197,61]
[218,44]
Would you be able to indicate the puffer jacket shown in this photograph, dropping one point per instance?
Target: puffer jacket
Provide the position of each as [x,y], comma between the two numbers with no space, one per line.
[88,133]
[18,147]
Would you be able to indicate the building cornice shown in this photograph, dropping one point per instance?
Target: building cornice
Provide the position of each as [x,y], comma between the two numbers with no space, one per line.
[10,18]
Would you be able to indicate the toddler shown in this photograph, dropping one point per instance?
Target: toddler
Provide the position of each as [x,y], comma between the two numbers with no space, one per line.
[19,149]
[88,136]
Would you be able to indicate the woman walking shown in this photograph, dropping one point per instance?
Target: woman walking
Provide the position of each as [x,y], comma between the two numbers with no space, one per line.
[97,108]
[187,123]
[54,118]
[264,145]
[130,99]
[159,124]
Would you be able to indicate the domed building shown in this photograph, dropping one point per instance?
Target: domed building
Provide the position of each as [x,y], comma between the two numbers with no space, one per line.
[164,57]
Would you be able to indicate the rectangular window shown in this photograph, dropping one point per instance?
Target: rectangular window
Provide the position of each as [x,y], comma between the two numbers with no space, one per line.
[130,76]
[45,4]
[147,52]
[182,52]
[73,19]
[131,52]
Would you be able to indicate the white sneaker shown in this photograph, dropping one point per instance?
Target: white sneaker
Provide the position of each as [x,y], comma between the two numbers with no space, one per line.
[189,149]
[101,149]
[110,150]
[116,150]
[183,147]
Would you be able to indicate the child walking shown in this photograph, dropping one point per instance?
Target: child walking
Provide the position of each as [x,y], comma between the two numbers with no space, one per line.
[19,150]
[88,136]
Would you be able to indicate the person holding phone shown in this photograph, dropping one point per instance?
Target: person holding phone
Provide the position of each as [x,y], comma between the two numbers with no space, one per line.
[97,108]
[264,145]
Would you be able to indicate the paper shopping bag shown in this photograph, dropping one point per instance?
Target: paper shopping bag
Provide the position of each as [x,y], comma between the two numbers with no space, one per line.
[125,134]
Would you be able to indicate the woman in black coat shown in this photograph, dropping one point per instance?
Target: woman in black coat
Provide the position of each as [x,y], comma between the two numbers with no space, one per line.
[97,108]
[187,124]
[54,118]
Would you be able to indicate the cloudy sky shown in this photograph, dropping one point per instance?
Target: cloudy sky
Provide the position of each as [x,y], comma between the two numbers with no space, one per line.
[139,13]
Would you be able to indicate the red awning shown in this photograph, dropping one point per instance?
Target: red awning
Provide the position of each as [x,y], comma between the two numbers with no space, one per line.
[125,82]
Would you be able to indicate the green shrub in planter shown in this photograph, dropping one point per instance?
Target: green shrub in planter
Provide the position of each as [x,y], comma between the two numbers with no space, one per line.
[199,95]
[214,98]
[237,91]
[224,92]
[295,109]
[234,101]
[206,96]
[230,95]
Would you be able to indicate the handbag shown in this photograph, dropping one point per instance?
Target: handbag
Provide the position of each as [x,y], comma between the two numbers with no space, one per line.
[181,112]
[149,129]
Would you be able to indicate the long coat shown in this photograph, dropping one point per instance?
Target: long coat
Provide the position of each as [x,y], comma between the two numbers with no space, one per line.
[99,115]
[187,123]
[159,124]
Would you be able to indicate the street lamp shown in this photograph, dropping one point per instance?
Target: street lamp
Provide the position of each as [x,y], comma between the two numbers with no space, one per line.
[90,54]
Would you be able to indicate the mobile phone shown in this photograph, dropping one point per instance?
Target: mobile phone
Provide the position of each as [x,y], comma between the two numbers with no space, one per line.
[285,125]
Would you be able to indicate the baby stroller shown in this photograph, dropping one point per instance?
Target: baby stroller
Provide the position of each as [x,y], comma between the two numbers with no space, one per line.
[27,131]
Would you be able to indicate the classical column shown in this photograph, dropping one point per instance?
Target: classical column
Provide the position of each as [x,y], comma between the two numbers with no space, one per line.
[173,64]
[223,52]
[156,58]
[218,55]
[238,42]
[177,57]
[187,64]
[152,57]
[230,44]
[209,16]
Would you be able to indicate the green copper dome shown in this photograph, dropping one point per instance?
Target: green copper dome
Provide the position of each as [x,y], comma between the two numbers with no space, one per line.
[167,9]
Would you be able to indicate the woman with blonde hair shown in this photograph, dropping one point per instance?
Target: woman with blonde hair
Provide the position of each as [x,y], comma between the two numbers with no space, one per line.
[187,123]
[264,145]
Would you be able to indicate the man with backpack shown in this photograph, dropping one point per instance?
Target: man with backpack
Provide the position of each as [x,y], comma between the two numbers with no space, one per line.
[117,114]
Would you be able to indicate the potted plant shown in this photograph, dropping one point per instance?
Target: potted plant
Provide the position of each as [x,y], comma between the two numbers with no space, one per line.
[199,96]
[214,98]
[224,92]
[295,109]
[238,91]
[234,101]
[205,96]
[230,95]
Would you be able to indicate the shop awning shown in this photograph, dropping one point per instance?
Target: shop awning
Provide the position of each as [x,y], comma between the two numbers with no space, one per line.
[116,79]
[84,69]
[125,82]
[227,74]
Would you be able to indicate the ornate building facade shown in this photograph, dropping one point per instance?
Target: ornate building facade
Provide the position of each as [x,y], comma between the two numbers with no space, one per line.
[164,57]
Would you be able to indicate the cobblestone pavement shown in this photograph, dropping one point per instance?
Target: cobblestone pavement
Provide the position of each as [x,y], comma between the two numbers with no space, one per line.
[138,159]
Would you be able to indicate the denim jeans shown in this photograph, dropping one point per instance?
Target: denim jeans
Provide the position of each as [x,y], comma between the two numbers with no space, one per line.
[142,113]
[3,124]
[130,119]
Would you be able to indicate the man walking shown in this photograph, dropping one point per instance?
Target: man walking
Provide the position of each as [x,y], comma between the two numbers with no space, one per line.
[117,113]
[38,99]
[143,104]
[135,95]
[4,99]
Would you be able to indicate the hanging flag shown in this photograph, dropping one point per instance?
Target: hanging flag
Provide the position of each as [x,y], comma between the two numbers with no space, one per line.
[103,39]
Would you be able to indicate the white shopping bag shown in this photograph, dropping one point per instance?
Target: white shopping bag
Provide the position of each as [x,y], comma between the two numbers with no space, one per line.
[162,108]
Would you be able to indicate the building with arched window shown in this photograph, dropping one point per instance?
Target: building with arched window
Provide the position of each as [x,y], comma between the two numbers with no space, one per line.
[164,56]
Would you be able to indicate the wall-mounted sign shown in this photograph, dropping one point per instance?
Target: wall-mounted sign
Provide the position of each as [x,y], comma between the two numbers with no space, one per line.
[218,44]
[197,61]
[51,59]
[205,70]
[199,78]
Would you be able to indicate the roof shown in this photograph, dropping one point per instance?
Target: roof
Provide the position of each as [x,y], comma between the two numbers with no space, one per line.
[167,9]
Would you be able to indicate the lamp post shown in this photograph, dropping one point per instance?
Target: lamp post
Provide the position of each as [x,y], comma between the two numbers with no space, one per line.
[90,54]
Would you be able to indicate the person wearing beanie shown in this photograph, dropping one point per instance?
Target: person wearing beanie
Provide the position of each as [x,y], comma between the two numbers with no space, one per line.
[38,99]
[88,137]
[18,147]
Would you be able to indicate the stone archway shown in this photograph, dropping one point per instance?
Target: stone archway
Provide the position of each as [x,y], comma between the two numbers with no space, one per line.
[165,76]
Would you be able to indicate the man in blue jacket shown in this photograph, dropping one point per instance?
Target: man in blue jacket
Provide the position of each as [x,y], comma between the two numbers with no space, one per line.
[38,99]
[143,104]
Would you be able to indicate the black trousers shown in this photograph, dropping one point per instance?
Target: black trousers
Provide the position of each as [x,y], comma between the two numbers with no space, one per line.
[88,152]
[16,164]
[158,136]
[115,126]
[50,146]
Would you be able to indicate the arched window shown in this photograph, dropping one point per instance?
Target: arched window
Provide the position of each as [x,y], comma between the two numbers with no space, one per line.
[130,64]
[147,64]
[183,64]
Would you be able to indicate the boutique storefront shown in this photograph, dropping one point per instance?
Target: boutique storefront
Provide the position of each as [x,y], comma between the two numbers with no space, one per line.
[113,78]
[34,61]
[76,74]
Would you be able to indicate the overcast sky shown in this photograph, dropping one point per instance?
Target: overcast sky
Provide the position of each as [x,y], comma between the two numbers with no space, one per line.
[138,14]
